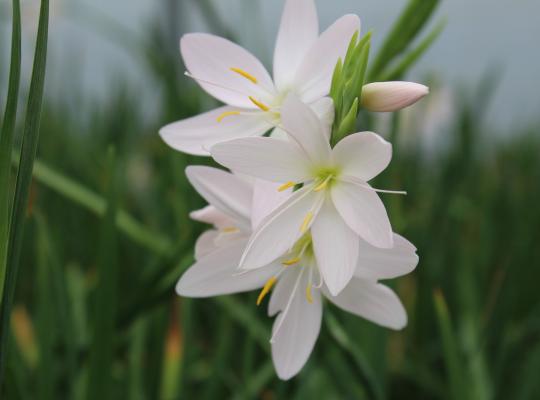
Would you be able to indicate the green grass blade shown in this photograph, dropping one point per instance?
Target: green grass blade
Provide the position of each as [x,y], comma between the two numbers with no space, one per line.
[102,346]
[6,140]
[93,202]
[24,175]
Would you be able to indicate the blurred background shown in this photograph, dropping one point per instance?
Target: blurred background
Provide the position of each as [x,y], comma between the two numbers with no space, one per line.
[95,312]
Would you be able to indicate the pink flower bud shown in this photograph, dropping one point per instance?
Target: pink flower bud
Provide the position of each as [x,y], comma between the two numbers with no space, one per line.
[391,96]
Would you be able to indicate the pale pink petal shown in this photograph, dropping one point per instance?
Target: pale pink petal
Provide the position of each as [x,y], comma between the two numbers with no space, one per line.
[205,244]
[271,159]
[362,155]
[209,60]
[314,76]
[211,215]
[197,134]
[391,96]
[335,246]
[298,30]
[372,301]
[362,209]
[267,196]
[325,110]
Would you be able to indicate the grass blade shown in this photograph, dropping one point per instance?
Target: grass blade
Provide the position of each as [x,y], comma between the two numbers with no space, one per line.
[99,385]
[24,175]
[6,139]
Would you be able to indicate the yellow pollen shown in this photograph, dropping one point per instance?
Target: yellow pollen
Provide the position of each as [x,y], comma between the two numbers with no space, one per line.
[230,229]
[267,287]
[245,74]
[307,220]
[292,261]
[286,186]
[227,114]
[309,297]
[262,106]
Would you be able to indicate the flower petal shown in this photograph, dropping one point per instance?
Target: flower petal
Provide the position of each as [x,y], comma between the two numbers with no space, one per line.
[205,244]
[228,193]
[391,96]
[314,76]
[372,301]
[271,159]
[280,230]
[197,134]
[325,110]
[298,30]
[211,215]
[266,198]
[216,274]
[375,263]
[306,129]
[210,58]
[363,155]
[335,246]
[298,331]
[364,212]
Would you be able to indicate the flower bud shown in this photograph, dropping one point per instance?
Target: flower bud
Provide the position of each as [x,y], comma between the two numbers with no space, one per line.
[391,96]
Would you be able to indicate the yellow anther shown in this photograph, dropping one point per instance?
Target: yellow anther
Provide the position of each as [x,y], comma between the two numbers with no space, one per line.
[226,114]
[245,74]
[323,184]
[309,297]
[262,106]
[307,221]
[230,229]
[292,261]
[267,287]
[285,186]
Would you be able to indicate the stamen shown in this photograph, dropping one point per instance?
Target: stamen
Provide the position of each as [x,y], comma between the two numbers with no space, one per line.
[227,114]
[245,74]
[309,297]
[307,220]
[284,312]
[292,261]
[323,184]
[285,186]
[390,191]
[230,229]
[262,106]
[267,287]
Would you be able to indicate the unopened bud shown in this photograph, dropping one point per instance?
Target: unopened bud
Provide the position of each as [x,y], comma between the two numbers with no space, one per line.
[391,96]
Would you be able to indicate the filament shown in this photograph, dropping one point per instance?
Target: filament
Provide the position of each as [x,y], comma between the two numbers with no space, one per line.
[245,74]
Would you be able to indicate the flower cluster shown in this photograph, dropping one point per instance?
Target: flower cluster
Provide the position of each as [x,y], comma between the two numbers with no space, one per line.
[295,214]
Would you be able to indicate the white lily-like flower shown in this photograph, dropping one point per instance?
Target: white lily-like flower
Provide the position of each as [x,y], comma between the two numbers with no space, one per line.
[298,292]
[391,96]
[335,201]
[303,64]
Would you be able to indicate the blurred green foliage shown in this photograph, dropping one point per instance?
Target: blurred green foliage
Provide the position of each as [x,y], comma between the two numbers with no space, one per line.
[95,313]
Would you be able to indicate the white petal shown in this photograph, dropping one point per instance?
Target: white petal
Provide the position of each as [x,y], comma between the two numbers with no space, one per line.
[216,274]
[205,244]
[364,212]
[375,263]
[266,198]
[197,134]
[363,155]
[210,58]
[298,30]
[314,76]
[282,292]
[271,159]
[306,129]
[372,301]
[298,331]
[277,233]
[223,190]
[325,110]
[335,246]
[391,96]
[211,215]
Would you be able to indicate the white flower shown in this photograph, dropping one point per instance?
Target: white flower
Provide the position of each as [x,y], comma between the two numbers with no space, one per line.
[335,202]
[391,96]
[303,64]
[297,295]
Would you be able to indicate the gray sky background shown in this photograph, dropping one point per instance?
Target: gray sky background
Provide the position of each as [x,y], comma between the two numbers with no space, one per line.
[480,35]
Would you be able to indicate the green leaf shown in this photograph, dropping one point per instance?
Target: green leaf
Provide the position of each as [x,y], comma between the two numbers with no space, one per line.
[411,21]
[102,346]
[24,175]
[6,140]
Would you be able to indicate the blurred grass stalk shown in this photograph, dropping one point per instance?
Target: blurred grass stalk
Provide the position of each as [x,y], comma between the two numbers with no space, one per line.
[15,223]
